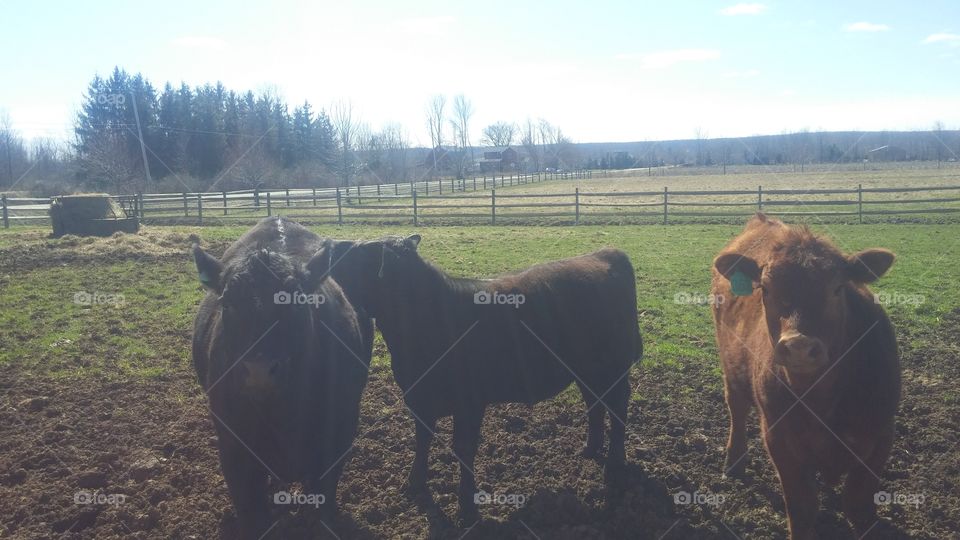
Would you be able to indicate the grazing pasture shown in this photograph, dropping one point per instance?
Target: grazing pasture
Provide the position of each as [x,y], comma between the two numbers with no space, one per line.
[105,429]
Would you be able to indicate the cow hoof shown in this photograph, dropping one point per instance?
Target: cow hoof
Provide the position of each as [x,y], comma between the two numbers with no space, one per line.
[465,520]
[737,471]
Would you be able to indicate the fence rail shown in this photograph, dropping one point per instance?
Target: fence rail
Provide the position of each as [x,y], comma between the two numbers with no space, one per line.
[449,202]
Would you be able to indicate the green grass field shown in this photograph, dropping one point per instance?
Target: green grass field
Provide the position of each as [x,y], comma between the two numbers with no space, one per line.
[671,263]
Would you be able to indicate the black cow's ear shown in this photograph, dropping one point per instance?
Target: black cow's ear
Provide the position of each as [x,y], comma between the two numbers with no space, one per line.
[412,241]
[729,264]
[869,265]
[321,263]
[209,269]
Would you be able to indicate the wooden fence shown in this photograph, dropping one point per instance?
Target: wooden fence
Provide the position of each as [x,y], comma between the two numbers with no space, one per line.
[456,202]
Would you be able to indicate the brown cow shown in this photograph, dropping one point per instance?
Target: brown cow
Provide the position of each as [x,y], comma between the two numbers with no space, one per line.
[817,355]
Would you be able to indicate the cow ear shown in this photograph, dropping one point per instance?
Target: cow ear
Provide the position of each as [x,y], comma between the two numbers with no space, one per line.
[319,266]
[869,265]
[412,241]
[741,271]
[730,264]
[209,269]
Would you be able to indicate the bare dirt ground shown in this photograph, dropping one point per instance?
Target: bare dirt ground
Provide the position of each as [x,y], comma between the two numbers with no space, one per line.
[149,445]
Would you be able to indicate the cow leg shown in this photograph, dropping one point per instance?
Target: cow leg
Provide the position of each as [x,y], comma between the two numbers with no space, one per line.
[861,486]
[466,438]
[417,480]
[595,412]
[800,491]
[617,401]
[246,483]
[738,405]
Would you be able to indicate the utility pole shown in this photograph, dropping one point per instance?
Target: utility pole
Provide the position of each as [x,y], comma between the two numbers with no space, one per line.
[143,146]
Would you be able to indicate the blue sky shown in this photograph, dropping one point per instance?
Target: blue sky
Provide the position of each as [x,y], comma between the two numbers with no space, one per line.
[601,71]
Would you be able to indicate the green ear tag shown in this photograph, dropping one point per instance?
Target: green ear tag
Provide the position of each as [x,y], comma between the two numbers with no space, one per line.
[741,284]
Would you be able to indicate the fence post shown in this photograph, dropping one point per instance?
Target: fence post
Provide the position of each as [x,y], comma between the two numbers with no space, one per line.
[359,197]
[493,206]
[474,183]
[665,205]
[339,209]
[440,186]
[6,216]
[396,189]
[314,196]
[224,203]
[426,188]
[415,222]
[200,208]
[759,198]
[860,202]
[576,204]
[484,182]
[141,205]
[186,211]
[288,196]
[378,192]
[268,205]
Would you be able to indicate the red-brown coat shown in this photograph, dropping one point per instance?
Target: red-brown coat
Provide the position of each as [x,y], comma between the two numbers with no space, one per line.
[807,344]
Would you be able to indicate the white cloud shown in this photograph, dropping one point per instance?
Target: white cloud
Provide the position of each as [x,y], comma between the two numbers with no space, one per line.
[743,9]
[200,42]
[665,59]
[944,37]
[863,26]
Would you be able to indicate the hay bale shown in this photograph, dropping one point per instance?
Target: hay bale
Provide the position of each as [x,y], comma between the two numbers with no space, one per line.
[89,214]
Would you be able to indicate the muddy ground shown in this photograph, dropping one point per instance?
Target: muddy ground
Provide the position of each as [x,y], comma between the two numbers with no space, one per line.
[147,449]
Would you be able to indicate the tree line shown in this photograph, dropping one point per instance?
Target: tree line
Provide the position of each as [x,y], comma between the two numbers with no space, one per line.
[130,136]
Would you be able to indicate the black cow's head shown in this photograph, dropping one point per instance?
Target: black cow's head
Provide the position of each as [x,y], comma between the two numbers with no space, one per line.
[367,271]
[267,303]
[804,288]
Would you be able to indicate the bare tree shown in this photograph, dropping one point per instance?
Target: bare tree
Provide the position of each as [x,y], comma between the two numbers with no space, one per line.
[701,136]
[462,113]
[499,134]
[12,150]
[530,141]
[435,116]
[346,127]
[938,143]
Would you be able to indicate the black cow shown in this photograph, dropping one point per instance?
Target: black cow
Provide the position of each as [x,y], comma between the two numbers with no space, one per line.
[284,359]
[458,345]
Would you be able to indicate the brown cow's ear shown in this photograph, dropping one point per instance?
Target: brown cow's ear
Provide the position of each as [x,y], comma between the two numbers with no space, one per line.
[869,265]
[729,264]
[209,269]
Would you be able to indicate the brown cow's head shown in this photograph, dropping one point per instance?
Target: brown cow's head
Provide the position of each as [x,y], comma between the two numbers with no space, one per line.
[267,302]
[804,287]
[367,270]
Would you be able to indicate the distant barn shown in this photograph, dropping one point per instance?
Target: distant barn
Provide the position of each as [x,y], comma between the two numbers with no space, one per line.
[498,159]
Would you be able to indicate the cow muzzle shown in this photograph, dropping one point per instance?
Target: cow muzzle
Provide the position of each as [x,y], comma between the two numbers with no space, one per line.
[259,375]
[800,353]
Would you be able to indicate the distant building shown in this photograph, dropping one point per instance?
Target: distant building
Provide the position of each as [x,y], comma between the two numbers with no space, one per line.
[498,159]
